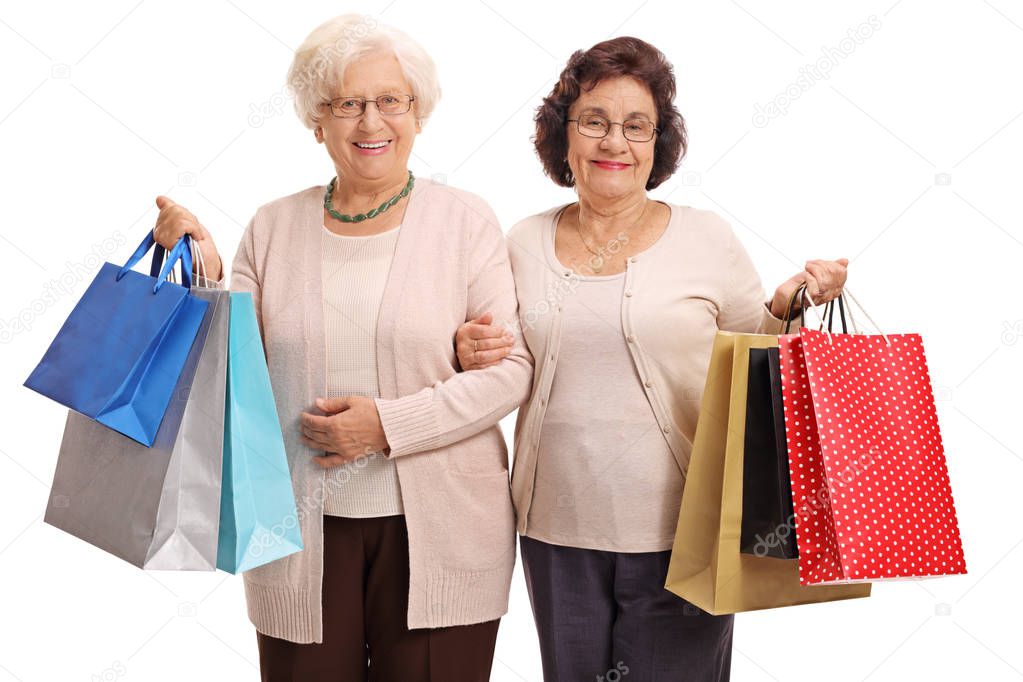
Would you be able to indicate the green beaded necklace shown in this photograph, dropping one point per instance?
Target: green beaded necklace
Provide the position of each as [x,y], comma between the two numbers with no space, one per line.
[371,213]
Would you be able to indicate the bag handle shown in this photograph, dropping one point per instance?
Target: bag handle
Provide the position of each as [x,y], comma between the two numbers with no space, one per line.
[864,310]
[197,258]
[846,290]
[791,306]
[829,312]
[181,251]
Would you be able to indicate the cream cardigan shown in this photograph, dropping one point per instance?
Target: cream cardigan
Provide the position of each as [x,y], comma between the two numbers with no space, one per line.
[697,278]
[450,265]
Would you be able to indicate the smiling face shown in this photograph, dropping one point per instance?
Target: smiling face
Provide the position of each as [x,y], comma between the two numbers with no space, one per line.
[371,148]
[611,167]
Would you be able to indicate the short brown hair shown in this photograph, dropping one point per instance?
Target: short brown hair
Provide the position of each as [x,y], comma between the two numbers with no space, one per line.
[622,56]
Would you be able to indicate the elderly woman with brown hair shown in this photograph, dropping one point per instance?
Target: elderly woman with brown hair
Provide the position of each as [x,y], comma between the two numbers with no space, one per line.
[620,297]
[397,459]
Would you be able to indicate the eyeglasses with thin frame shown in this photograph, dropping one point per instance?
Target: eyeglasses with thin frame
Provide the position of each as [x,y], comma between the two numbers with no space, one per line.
[634,129]
[353,107]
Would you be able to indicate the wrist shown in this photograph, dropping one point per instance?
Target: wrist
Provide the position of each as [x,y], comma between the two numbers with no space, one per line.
[780,307]
[214,271]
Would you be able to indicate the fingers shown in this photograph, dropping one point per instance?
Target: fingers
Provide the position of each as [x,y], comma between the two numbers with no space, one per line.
[174,221]
[330,460]
[314,423]
[829,276]
[813,288]
[485,331]
[485,318]
[333,405]
[817,271]
[486,358]
[319,440]
[471,331]
[315,443]
[473,354]
[491,344]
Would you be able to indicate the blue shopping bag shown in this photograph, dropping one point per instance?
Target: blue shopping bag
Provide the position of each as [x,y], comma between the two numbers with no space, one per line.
[258,516]
[119,354]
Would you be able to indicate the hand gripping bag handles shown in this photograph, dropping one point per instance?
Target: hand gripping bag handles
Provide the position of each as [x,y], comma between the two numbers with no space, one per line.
[870,485]
[119,354]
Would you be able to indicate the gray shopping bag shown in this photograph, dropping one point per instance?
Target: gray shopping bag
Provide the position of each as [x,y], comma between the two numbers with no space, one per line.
[156,507]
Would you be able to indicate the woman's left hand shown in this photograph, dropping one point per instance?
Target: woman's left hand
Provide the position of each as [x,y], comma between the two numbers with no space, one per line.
[824,282]
[351,429]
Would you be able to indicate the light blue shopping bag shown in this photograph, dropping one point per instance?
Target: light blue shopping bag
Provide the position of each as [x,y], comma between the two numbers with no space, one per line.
[258,516]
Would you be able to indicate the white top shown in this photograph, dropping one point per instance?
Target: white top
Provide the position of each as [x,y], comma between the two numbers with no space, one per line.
[355,271]
[606,478]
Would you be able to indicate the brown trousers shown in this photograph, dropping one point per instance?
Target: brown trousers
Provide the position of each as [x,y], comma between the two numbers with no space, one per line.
[365,606]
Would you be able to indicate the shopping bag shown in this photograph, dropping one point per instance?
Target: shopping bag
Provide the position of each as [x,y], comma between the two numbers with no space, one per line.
[706,566]
[118,356]
[156,507]
[870,481]
[767,528]
[258,517]
[767,515]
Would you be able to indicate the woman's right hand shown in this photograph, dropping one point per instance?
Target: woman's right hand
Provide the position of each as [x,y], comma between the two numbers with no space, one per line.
[174,221]
[479,343]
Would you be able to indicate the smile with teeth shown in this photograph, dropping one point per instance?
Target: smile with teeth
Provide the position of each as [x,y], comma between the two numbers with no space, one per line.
[372,145]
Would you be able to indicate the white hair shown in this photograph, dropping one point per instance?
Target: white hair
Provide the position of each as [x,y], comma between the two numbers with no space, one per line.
[321,60]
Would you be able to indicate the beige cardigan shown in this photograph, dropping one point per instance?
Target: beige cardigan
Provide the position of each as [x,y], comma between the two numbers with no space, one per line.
[676,297]
[450,265]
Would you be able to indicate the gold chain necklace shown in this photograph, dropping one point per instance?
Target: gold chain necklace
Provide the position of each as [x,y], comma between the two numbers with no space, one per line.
[600,261]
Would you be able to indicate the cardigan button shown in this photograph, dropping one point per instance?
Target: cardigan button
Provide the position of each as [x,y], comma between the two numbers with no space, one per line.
[631,338]
[648,384]
[632,260]
[666,429]
[628,292]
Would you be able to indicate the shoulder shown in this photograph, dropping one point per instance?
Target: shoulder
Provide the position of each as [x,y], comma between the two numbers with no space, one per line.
[287,208]
[293,202]
[529,231]
[456,208]
[704,231]
[702,222]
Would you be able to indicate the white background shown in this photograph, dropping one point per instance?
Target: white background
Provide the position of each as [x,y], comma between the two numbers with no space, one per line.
[905,160]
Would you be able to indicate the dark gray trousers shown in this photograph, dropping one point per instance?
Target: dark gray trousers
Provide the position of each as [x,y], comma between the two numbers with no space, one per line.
[606,617]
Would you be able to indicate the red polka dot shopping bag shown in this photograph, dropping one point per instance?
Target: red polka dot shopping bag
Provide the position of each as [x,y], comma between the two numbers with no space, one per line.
[870,486]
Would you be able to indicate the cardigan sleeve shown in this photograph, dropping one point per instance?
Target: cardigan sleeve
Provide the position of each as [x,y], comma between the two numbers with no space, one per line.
[746,308]
[468,402]
[244,277]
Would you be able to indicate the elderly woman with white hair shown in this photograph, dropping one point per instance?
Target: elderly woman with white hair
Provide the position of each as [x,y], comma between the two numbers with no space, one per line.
[398,463]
